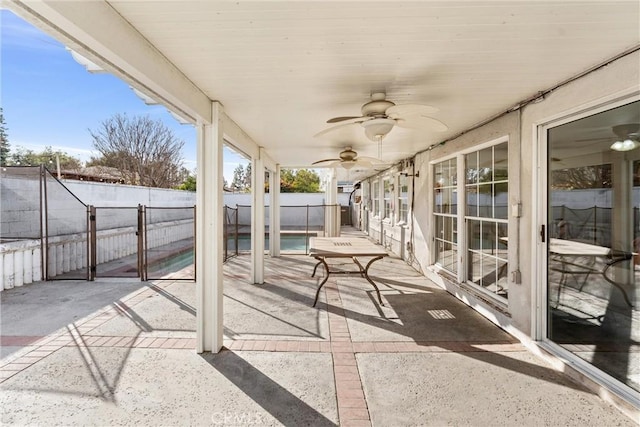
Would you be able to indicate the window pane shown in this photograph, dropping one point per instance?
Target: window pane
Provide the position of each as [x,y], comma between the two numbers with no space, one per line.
[501,200]
[500,156]
[452,173]
[485,165]
[502,241]
[473,234]
[454,228]
[471,161]
[485,200]
[472,200]
[454,201]
[489,237]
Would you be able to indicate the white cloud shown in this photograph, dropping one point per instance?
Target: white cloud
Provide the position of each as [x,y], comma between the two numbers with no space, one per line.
[20,34]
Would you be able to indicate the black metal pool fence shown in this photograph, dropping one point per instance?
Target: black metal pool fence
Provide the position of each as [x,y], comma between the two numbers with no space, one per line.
[68,239]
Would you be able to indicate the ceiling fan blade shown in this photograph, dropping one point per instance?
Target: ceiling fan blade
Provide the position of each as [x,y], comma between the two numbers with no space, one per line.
[373,160]
[344,123]
[342,119]
[363,163]
[422,122]
[410,110]
[325,160]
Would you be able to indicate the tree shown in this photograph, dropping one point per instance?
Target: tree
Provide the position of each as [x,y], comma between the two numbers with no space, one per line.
[237,184]
[291,180]
[4,141]
[597,176]
[247,178]
[189,184]
[47,157]
[299,181]
[287,178]
[306,181]
[145,152]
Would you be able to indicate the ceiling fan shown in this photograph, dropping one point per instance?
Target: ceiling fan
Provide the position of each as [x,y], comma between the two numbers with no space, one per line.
[627,138]
[348,159]
[380,115]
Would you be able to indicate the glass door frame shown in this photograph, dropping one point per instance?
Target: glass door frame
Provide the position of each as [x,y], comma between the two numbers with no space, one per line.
[540,309]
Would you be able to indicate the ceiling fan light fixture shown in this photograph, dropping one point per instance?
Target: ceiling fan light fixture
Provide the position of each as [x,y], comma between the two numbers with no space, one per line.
[627,144]
[376,129]
[348,164]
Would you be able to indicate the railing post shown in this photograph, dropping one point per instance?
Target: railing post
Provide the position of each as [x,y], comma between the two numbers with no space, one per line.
[141,233]
[92,243]
[225,233]
[45,261]
[306,233]
[43,244]
[236,237]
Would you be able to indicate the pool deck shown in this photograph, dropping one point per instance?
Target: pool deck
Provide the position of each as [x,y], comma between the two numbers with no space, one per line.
[120,351]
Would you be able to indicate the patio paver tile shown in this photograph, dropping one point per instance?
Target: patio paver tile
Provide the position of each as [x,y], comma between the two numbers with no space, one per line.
[352,403]
[355,423]
[353,414]
[271,346]
[158,342]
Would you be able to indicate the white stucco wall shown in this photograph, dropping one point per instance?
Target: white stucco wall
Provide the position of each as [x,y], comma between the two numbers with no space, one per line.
[101,194]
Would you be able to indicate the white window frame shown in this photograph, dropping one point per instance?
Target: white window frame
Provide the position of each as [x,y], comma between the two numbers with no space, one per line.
[434,214]
[387,199]
[375,197]
[462,211]
[400,220]
[462,238]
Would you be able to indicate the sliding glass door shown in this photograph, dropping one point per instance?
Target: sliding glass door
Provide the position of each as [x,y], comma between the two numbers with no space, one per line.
[593,240]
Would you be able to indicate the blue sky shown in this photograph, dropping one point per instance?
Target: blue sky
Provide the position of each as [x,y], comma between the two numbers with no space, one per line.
[48,99]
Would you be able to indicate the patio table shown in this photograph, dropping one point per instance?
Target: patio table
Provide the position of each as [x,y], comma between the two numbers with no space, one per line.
[564,252]
[322,248]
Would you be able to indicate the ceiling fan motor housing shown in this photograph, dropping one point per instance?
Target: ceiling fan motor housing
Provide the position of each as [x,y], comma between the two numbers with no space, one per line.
[377,106]
[348,155]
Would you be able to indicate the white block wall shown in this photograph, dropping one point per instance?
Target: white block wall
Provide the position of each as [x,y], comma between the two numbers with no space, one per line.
[20,262]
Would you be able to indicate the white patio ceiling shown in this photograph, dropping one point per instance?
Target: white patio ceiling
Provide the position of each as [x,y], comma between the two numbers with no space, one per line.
[281,69]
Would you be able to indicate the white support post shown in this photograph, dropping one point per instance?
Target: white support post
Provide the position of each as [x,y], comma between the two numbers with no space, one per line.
[257,219]
[331,229]
[209,245]
[622,220]
[274,227]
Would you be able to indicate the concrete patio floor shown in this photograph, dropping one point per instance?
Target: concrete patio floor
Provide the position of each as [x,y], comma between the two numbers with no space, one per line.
[422,359]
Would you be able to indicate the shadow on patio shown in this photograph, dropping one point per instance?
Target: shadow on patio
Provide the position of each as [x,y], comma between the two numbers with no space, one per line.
[422,359]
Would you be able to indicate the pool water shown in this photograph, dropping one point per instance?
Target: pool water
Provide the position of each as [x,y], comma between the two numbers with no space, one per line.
[183,259]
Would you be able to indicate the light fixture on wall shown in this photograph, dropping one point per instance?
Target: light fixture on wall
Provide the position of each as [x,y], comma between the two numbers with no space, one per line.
[627,137]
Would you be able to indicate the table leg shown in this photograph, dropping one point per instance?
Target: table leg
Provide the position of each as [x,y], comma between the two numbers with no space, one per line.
[326,277]
[365,273]
[315,268]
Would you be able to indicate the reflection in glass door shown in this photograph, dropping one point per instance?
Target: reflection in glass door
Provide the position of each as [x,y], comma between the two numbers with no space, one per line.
[594,240]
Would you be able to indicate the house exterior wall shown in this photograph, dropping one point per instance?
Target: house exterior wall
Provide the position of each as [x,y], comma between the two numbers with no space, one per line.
[520,127]
[521,314]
